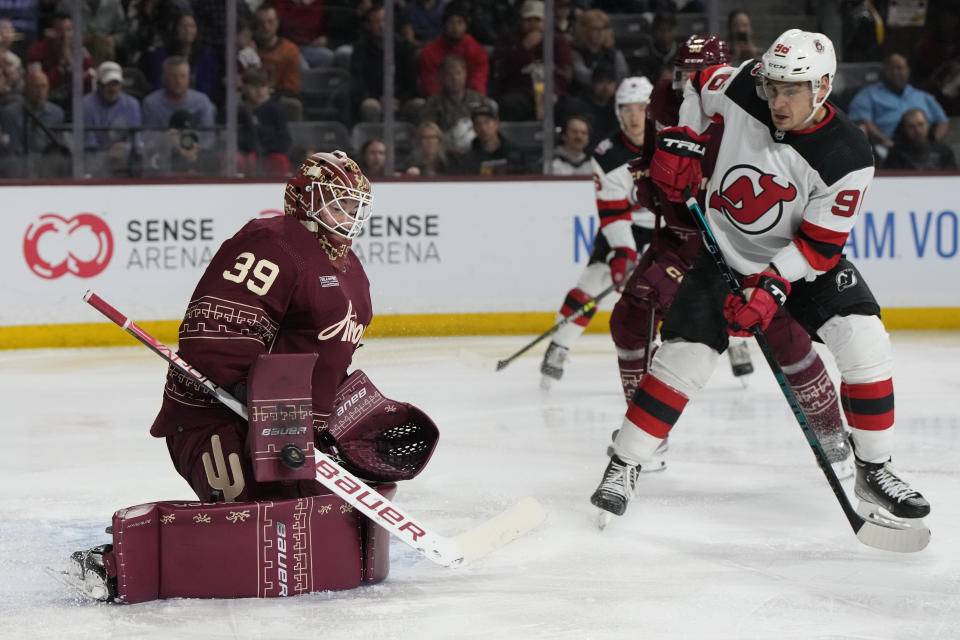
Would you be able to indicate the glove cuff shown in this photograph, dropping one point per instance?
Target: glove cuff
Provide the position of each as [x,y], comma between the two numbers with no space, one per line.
[777,287]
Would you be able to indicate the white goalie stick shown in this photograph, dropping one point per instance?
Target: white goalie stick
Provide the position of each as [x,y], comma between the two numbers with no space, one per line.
[873,530]
[475,543]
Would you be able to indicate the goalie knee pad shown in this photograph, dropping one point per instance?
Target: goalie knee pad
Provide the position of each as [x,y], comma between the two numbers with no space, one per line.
[244,549]
[378,438]
[685,366]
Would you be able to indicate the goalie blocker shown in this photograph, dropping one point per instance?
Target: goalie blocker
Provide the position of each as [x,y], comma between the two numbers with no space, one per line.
[269,548]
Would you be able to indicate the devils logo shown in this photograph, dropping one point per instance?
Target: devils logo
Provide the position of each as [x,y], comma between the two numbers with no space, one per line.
[750,199]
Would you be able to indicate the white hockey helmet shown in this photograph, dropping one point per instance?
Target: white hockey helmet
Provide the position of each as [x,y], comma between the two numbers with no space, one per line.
[633,89]
[799,56]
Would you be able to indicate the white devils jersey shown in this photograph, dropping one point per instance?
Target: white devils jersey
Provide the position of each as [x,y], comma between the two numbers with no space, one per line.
[787,198]
[617,204]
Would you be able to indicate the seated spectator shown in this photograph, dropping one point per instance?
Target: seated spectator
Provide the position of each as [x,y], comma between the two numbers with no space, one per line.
[29,119]
[490,153]
[425,19]
[11,85]
[939,43]
[186,153]
[454,40]
[945,85]
[564,18]
[373,157]
[55,55]
[656,50]
[570,157]
[205,72]
[105,22]
[593,44]
[263,137]
[366,73]
[740,38]
[863,31]
[913,149]
[176,98]
[877,108]
[10,62]
[429,151]
[303,23]
[455,101]
[517,83]
[111,121]
[598,105]
[279,56]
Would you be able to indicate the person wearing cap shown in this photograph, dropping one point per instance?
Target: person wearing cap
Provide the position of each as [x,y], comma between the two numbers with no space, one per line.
[517,63]
[489,153]
[112,121]
[454,39]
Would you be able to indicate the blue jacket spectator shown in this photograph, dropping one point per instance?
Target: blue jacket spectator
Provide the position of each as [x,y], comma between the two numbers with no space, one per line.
[176,95]
[20,117]
[877,108]
[111,120]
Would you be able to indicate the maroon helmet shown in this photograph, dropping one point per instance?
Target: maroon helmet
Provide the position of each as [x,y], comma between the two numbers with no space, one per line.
[331,190]
[698,52]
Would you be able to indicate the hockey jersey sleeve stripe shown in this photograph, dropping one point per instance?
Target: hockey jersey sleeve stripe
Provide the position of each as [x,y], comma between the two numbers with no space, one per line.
[821,247]
[610,211]
[699,79]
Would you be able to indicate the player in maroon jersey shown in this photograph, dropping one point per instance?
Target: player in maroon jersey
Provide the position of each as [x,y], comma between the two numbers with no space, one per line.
[676,243]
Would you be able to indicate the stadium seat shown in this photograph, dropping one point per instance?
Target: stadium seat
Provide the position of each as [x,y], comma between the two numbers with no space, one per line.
[403,134]
[321,135]
[528,136]
[325,93]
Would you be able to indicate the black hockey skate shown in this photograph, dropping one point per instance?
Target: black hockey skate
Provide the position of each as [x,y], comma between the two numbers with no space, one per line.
[87,573]
[878,484]
[616,489]
[552,366]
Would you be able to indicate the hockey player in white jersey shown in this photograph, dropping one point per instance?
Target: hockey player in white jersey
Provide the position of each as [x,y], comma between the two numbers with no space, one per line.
[789,180]
[625,226]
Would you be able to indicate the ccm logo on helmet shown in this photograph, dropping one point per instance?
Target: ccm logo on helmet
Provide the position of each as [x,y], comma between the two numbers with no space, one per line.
[689,145]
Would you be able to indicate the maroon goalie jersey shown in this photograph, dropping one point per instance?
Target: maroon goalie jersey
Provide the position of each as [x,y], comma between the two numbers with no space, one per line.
[272,288]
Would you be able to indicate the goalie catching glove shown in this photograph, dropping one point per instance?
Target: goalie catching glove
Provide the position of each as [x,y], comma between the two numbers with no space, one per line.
[377,438]
[763,295]
[676,162]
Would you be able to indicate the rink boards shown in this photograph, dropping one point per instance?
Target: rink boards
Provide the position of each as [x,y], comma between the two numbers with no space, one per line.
[444,258]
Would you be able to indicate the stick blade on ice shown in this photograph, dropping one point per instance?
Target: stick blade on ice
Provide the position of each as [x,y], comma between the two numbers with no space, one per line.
[524,516]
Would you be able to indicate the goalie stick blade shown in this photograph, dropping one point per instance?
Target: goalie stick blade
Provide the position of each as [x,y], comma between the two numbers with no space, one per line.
[521,518]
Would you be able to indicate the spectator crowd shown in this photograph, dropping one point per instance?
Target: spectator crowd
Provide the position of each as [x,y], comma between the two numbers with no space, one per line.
[468,89]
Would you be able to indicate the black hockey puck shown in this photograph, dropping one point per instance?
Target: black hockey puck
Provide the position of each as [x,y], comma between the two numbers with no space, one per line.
[291,456]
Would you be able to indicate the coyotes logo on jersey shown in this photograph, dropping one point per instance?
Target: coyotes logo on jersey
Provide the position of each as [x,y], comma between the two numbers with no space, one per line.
[751,199]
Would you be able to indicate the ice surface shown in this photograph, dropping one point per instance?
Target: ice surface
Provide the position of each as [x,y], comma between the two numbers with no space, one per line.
[739,538]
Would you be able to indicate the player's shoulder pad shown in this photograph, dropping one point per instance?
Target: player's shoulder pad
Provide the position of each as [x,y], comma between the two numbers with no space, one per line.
[613,152]
[837,149]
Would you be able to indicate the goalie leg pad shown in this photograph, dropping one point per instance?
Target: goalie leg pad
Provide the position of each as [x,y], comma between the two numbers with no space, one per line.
[245,550]
[378,438]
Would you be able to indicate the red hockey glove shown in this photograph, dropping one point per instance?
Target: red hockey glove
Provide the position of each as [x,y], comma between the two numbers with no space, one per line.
[765,293]
[623,260]
[676,162]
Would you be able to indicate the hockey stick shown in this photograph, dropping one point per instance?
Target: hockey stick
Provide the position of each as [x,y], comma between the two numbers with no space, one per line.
[520,518]
[586,308]
[888,535]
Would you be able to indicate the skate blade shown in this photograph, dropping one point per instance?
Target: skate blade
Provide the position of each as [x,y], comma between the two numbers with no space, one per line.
[603,519]
[883,530]
[546,383]
[88,589]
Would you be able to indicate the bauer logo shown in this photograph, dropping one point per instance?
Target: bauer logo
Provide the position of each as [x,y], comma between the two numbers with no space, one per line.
[54,246]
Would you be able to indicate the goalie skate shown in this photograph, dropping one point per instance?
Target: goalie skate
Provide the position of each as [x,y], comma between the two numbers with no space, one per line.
[551,368]
[658,462]
[86,574]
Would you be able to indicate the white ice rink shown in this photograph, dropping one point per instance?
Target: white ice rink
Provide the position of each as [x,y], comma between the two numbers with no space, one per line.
[739,538]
